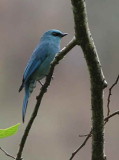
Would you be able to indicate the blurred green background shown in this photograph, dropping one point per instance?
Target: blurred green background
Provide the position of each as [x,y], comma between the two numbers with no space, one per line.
[65,111]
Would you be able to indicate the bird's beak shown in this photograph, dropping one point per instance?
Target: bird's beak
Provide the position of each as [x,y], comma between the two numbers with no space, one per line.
[64,34]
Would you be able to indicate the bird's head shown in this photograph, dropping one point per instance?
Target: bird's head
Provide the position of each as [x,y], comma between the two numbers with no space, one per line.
[54,35]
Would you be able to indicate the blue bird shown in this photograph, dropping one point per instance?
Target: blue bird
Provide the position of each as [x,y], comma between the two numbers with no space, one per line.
[39,63]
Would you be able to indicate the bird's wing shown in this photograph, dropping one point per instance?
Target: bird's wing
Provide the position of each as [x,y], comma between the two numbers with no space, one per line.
[38,56]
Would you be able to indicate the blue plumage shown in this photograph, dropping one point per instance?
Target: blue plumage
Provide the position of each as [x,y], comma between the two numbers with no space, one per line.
[39,64]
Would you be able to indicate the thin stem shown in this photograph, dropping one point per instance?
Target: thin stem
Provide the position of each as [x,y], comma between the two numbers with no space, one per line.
[81,146]
[109,95]
[6,153]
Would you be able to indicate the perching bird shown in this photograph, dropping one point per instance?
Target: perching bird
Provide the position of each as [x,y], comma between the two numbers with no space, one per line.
[39,64]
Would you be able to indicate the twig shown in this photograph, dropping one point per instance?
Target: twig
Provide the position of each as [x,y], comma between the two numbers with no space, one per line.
[111,115]
[90,134]
[60,56]
[109,95]
[83,135]
[81,146]
[6,153]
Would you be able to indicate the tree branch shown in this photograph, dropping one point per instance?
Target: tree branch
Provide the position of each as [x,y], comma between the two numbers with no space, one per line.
[106,119]
[60,56]
[90,134]
[81,146]
[97,79]
[6,153]
[109,95]
[110,116]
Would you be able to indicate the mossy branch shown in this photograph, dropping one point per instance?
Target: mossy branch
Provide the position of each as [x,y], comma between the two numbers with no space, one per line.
[97,79]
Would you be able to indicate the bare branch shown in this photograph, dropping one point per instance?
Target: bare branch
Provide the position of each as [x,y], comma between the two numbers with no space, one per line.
[90,134]
[81,146]
[109,95]
[110,116]
[6,153]
[60,56]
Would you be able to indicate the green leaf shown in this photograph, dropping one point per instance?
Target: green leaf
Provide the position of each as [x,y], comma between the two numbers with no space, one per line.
[9,131]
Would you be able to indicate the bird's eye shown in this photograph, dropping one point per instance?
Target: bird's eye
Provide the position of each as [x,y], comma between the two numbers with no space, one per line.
[56,34]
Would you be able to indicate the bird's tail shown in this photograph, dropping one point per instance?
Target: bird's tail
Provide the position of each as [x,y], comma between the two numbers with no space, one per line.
[25,102]
[28,90]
